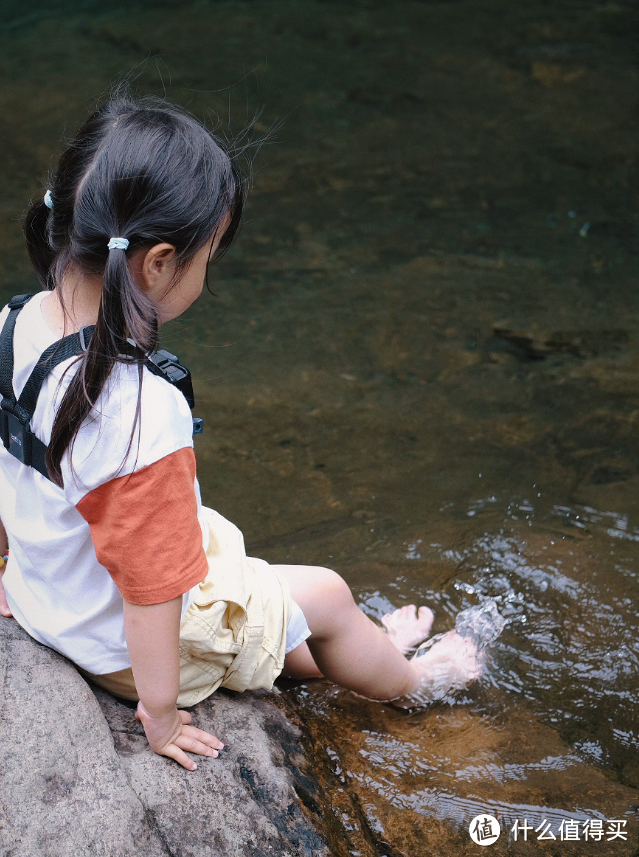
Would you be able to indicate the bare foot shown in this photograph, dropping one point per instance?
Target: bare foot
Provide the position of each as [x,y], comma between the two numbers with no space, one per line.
[408,627]
[451,663]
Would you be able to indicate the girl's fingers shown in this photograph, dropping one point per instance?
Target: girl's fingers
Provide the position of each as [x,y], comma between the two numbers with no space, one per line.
[187,738]
[204,737]
[174,752]
[192,745]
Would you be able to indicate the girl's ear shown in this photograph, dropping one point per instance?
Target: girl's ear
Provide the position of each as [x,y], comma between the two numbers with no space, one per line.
[153,268]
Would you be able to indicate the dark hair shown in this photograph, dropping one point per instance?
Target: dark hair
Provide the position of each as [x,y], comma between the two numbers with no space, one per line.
[141,169]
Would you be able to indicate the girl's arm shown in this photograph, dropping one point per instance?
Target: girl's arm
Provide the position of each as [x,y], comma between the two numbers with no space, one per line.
[152,635]
[4,606]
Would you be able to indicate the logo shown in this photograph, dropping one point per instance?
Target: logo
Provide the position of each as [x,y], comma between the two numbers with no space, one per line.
[484,829]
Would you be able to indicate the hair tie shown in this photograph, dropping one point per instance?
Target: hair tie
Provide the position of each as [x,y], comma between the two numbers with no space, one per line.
[118,244]
[48,200]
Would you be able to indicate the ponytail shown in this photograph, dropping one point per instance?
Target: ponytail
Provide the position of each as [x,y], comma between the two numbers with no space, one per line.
[125,312]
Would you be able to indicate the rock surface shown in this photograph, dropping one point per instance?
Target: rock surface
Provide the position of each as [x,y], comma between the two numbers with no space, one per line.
[78,777]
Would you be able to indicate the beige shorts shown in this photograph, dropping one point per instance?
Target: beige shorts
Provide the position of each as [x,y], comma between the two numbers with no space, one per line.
[121,683]
[238,629]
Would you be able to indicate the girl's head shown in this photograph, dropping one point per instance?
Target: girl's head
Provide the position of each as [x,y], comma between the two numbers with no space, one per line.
[140,169]
[144,170]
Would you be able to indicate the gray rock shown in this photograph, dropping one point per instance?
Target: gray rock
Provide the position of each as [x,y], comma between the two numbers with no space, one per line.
[78,777]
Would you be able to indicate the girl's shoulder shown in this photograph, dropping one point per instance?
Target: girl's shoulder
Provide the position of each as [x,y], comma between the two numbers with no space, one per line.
[132,427]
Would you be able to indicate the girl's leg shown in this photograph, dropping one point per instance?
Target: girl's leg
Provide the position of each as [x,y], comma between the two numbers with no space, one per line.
[345,646]
[406,628]
[299,664]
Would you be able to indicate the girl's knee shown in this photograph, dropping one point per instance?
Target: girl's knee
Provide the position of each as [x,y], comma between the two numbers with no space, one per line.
[333,586]
[324,597]
[322,594]
[332,595]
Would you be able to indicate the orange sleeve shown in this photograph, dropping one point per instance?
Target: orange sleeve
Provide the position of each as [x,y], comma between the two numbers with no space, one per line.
[146,532]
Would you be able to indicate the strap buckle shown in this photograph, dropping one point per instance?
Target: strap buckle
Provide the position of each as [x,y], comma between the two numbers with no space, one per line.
[15,430]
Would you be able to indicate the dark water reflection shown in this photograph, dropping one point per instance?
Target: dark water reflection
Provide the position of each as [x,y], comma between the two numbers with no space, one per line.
[421,364]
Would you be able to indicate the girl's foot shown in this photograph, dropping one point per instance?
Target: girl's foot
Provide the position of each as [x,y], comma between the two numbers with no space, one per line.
[451,663]
[408,627]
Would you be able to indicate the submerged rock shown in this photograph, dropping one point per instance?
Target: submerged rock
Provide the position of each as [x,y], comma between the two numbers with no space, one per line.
[410,784]
[79,778]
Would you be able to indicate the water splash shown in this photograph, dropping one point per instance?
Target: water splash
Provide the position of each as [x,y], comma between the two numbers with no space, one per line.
[454,660]
[482,623]
[447,663]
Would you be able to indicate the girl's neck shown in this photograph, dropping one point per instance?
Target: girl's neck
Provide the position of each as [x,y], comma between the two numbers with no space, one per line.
[73,304]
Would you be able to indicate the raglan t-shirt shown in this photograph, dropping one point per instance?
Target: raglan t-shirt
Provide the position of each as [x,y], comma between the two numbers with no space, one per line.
[127,524]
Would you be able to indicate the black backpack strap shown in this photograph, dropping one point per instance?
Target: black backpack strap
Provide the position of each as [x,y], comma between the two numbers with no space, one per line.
[6,345]
[16,414]
[20,440]
[56,353]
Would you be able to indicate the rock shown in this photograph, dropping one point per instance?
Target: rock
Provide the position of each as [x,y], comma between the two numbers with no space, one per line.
[78,777]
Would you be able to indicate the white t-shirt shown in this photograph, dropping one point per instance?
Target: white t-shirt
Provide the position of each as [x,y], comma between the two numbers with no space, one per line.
[123,525]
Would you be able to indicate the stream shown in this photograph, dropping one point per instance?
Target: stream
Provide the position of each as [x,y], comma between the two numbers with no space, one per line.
[419,365]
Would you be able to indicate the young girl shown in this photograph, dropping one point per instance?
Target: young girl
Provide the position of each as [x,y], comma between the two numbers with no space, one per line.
[113,560]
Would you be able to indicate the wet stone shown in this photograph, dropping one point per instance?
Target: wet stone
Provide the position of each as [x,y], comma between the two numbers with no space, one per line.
[78,776]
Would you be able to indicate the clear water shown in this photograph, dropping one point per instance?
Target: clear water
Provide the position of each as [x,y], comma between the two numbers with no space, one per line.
[420,365]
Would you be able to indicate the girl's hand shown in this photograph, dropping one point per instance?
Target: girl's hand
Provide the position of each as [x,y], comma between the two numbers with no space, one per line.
[170,735]
[4,606]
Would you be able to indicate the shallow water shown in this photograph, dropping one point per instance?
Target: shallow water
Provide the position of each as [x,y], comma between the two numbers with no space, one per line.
[420,365]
